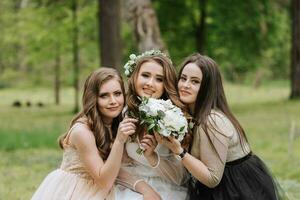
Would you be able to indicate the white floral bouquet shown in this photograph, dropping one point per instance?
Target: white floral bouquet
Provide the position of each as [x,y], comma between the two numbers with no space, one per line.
[163,117]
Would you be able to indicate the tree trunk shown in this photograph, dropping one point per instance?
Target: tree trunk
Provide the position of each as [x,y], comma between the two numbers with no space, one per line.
[57,74]
[142,17]
[75,56]
[295,64]
[109,33]
[201,27]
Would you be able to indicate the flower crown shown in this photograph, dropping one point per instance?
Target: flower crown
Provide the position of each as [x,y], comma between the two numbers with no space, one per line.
[129,67]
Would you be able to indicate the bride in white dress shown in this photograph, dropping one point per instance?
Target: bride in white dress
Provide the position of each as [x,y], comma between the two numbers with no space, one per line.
[157,173]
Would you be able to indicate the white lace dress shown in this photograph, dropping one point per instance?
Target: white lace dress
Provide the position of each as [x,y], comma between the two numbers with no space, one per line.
[167,177]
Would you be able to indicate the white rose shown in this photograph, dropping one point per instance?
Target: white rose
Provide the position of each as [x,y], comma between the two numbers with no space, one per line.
[180,138]
[130,62]
[127,72]
[132,56]
[174,121]
[163,130]
[127,66]
[153,106]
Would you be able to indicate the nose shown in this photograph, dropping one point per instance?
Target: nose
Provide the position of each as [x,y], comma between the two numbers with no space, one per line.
[113,100]
[150,81]
[187,84]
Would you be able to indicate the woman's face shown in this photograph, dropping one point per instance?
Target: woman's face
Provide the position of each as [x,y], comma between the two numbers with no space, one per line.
[189,84]
[110,100]
[149,82]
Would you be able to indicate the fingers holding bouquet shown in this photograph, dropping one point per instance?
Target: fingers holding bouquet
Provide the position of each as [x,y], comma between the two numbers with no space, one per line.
[171,142]
[126,127]
[149,144]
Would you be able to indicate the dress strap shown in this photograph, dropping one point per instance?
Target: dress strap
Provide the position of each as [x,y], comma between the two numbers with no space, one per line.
[66,140]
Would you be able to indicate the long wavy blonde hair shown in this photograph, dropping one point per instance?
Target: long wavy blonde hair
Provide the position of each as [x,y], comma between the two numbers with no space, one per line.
[90,114]
[169,82]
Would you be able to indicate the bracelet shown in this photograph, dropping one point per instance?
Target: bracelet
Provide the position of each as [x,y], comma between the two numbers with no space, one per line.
[136,182]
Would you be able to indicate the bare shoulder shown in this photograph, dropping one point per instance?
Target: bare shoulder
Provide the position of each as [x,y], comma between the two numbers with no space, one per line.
[82,135]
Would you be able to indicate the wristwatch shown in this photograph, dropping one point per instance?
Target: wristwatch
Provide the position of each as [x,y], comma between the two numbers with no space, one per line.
[181,155]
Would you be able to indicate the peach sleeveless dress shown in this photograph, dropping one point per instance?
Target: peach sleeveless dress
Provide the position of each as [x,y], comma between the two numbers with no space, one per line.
[71,181]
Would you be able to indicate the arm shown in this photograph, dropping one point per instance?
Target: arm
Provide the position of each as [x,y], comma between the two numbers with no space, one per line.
[209,170]
[167,166]
[104,174]
[137,184]
[209,167]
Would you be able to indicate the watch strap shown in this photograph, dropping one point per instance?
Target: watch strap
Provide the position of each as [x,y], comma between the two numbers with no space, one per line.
[182,154]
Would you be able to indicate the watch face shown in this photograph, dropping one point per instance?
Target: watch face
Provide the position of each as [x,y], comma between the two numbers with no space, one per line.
[178,157]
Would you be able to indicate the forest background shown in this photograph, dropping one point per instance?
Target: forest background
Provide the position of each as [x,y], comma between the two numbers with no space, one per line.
[48,47]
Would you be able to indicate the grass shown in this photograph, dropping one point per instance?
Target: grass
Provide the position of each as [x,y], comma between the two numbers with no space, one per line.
[29,151]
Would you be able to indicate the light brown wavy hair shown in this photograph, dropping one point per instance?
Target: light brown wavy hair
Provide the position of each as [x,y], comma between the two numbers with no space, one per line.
[90,114]
[211,96]
[170,88]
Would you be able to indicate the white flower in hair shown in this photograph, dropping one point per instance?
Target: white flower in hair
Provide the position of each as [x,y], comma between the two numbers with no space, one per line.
[131,63]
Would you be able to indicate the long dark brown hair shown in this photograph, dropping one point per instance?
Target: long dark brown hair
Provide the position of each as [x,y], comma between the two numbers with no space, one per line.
[169,82]
[90,114]
[211,96]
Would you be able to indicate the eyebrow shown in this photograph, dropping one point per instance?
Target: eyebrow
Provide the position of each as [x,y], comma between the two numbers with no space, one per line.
[103,93]
[147,72]
[193,77]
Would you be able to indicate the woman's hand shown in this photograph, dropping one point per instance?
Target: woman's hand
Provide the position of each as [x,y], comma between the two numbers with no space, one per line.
[126,127]
[171,142]
[149,143]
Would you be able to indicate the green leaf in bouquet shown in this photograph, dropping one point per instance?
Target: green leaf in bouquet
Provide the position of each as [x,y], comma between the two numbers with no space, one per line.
[139,151]
[150,127]
[161,114]
[191,125]
[149,120]
[156,128]
[181,129]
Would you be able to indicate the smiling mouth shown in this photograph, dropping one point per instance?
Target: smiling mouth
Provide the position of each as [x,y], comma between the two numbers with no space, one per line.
[113,108]
[148,91]
[184,92]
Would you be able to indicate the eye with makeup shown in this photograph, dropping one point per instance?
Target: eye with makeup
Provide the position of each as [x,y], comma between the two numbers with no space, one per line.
[145,75]
[117,93]
[195,82]
[182,78]
[103,95]
[159,79]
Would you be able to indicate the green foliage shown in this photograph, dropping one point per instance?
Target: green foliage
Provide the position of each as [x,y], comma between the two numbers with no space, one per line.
[242,36]
[39,31]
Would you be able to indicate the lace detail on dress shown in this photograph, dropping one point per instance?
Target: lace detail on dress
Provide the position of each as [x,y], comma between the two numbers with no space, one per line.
[71,163]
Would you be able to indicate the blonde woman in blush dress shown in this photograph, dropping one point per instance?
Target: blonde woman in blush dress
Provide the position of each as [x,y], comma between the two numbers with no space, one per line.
[94,144]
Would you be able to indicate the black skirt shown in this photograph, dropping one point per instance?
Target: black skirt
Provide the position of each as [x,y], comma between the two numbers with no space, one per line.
[244,179]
